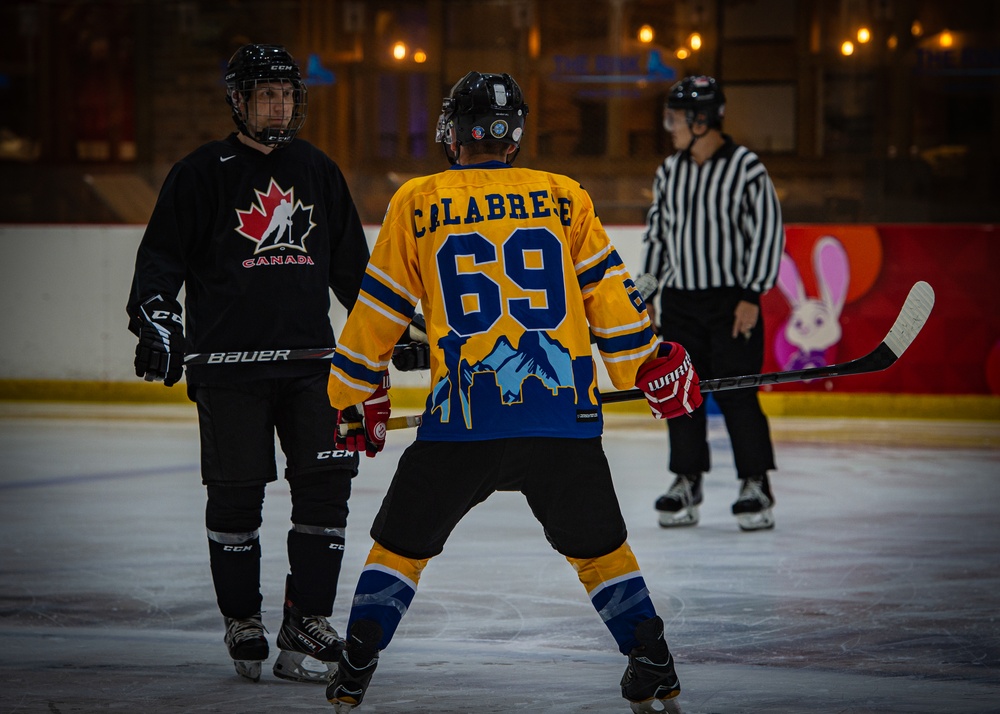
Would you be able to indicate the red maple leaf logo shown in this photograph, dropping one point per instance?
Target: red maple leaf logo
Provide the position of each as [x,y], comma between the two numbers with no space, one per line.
[271,222]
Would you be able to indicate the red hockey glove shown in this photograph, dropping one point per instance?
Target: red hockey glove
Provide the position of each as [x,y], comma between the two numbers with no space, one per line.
[363,429]
[669,382]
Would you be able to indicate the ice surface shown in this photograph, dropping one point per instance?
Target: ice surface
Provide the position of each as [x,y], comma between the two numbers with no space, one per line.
[878,591]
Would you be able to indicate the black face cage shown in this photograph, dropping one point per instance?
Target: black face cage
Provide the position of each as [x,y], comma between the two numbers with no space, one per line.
[268,135]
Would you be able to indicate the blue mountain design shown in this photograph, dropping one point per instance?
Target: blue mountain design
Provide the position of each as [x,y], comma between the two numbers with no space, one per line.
[536,356]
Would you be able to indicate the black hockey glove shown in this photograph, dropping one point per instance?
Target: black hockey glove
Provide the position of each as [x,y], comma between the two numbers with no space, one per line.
[412,351]
[160,352]
[411,357]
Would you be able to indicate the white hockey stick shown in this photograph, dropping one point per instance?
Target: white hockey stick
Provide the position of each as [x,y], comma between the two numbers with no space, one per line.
[912,316]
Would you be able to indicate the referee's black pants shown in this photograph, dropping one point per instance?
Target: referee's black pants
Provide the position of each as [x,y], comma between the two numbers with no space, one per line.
[702,321]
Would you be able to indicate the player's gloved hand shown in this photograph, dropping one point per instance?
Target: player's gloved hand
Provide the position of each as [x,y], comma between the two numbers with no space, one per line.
[669,382]
[363,428]
[160,352]
[416,355]
[412,351]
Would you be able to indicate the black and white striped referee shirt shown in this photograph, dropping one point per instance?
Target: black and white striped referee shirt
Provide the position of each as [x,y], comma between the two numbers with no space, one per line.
[715,225]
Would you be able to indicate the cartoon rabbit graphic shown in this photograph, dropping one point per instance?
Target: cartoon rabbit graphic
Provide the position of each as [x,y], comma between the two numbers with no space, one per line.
[812,331]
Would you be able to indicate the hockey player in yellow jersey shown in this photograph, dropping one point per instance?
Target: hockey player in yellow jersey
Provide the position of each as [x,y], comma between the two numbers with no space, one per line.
[514,273]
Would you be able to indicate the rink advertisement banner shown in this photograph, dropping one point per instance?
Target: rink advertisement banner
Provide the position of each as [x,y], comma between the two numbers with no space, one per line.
[840,288]
[65,329]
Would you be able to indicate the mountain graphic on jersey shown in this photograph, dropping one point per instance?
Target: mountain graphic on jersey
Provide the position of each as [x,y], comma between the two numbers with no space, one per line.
[536,358]
[276,220]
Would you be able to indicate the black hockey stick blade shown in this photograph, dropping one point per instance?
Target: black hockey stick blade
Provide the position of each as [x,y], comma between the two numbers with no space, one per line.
[912,316]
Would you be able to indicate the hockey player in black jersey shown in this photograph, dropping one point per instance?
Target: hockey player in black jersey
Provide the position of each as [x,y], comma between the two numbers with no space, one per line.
[258,228]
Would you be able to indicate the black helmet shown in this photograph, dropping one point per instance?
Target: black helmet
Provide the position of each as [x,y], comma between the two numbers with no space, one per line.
[699,95]
[253,64]
[482,107]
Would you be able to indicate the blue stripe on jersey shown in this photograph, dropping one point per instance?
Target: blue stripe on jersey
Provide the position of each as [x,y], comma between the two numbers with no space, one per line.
[596,272]
[386,296]
[624,343]
[356,371]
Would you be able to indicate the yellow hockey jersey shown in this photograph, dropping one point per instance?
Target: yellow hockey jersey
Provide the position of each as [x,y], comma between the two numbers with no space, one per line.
[513,271]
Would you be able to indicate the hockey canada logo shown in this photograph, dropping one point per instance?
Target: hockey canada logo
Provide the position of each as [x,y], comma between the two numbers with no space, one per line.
[276,220]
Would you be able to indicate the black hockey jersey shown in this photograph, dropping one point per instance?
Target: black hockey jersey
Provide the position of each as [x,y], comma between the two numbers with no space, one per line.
[258,241]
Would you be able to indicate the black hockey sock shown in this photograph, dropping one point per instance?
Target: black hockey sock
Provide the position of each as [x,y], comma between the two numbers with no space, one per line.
[235,561]
[315,555]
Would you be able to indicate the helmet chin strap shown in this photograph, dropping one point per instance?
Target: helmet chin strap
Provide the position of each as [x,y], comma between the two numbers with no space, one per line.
[694,137]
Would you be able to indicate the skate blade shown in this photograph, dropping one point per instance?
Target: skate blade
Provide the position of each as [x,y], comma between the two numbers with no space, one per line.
[300,667]
[656,706]
[675,519]
[248,668]
[759,521]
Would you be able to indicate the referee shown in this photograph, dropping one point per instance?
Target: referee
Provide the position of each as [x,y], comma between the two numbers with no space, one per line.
[714,240]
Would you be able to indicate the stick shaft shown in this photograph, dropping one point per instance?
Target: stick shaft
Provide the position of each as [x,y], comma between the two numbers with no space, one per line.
[912,316]
[257,356]
[911,319]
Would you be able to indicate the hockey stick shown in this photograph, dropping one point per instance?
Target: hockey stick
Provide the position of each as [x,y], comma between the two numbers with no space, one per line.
[257,356]
[645,284]
[912,316]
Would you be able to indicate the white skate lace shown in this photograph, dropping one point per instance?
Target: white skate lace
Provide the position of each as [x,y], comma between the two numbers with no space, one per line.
[752,491]
[319,627]
[681,490]
[240,630]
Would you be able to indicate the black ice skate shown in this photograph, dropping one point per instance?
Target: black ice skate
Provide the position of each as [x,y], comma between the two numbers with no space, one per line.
[650,680]
[753,507]
[247,645]
[307,640]
[679,505]
[357,665]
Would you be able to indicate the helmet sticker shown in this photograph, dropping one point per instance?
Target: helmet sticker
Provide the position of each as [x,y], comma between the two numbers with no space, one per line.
[498,129]
[516,134]
[478,132]
[500,92]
